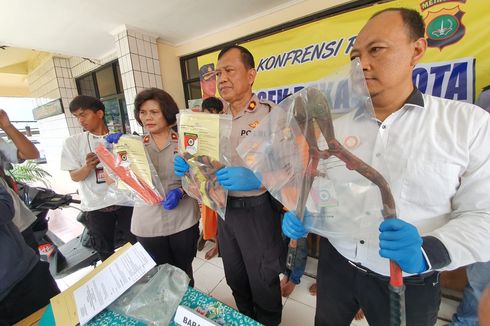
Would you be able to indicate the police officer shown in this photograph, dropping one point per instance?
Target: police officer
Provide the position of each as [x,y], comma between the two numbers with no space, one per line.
[169,231]
[250,236]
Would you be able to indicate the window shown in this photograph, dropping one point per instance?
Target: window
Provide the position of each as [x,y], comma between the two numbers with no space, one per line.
[105,84]
[86,86]
[190,77]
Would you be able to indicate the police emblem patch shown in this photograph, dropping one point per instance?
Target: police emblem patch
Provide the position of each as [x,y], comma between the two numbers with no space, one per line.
[444,27]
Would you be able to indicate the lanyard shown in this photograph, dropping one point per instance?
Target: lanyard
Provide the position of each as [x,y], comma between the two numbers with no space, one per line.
[88,140]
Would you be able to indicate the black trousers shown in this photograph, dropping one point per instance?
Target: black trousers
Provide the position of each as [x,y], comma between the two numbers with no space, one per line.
[28,296]
[178,249]
[103,225]
[253,254]
[343,289]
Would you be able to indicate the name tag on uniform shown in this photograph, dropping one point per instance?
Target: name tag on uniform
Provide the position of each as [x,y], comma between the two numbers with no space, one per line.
[188,317]
[99,175]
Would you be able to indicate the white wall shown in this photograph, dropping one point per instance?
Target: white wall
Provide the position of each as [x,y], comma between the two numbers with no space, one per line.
[171,74]
[53,131]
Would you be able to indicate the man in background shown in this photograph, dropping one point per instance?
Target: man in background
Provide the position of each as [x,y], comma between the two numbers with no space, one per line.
[484,99]
[209,218]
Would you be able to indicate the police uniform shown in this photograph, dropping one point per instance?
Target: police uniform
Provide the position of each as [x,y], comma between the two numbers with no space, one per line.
[250,236]
[169,236]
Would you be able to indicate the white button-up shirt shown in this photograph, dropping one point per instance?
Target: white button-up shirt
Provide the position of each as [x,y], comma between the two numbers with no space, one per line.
[438,157]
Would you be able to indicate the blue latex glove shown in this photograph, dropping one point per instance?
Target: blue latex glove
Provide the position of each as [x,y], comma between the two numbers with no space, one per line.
[237,178]
[292,226]
[180,166]
[172,199]
[400,241]
[113,138]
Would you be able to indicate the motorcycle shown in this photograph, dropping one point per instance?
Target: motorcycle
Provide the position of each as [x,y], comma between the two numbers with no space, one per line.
[64,258]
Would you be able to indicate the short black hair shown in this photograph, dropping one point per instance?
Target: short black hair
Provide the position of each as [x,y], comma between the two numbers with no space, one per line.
[247,57]
[167,104]
[86,103]
[212,104]
[413,21]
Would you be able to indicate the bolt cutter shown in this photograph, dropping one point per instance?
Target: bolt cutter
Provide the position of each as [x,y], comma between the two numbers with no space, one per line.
[313,111]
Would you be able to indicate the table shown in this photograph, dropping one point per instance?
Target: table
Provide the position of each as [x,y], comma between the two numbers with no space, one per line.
[194,299]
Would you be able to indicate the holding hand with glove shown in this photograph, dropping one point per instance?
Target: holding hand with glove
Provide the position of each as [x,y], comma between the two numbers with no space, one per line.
[173,198]
[292,227]
[233,178]
[238,178]
[398,241]
[113,138]
[401,242]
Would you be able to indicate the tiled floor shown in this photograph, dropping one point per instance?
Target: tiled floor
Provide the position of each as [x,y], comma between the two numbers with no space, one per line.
[299,307]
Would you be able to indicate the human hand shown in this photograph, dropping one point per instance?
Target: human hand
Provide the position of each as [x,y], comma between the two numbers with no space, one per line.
[91,160]
[173,198]
[401,242]
[292,227]
[4,119]
[180,166]
[113,138]
[237,178]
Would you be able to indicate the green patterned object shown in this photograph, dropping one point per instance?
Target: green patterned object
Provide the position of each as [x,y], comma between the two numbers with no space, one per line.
[194,299]
[213,309]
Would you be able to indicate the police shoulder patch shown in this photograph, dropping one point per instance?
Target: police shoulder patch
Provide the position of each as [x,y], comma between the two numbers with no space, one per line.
[268,104]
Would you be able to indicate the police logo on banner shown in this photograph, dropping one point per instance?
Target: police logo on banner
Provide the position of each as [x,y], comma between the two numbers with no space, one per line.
[444,27]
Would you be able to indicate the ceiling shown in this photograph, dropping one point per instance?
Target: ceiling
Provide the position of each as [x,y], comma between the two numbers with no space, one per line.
[31,29]
[85,27]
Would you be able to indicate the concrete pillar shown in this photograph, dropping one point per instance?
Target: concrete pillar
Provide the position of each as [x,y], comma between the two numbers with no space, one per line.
[140,67]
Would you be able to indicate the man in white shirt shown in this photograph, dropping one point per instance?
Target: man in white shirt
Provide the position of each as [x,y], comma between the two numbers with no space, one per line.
[438,155]
[103,214]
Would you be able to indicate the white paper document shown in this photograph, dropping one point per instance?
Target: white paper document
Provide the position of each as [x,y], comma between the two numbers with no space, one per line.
[111,282]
